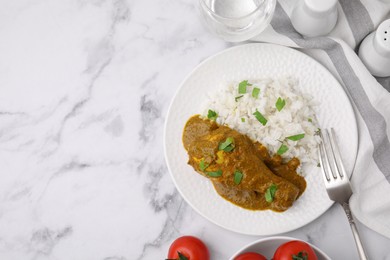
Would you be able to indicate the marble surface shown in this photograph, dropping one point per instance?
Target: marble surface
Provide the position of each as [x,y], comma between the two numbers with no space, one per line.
[84,91]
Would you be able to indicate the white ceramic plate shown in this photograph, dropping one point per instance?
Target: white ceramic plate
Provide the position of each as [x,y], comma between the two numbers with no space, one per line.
[254,61]
[268,246]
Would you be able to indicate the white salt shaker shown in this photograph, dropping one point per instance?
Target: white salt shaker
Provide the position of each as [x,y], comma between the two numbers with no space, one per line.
[374,51]
[314,17]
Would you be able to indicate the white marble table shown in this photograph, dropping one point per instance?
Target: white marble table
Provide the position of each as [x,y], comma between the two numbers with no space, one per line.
[84,91]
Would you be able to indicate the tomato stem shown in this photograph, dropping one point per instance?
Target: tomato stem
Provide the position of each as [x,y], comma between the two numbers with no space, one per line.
[181,256]
[302,255]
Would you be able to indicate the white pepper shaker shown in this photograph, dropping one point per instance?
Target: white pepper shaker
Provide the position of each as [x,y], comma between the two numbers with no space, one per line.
[374,51]
[314,17]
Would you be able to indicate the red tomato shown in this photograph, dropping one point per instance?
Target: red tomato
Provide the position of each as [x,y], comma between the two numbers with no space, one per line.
[295,248]
[190,247]
[250,256]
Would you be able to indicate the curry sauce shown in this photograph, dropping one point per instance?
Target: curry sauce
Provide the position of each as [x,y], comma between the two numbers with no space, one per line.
[242,171]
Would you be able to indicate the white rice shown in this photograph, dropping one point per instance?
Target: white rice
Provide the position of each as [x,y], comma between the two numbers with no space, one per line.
[297,116]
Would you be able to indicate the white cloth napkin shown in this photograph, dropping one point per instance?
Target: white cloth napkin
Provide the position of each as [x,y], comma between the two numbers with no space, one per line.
[370,202]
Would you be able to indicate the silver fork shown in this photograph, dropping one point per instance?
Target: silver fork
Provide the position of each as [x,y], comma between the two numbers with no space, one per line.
[336,180]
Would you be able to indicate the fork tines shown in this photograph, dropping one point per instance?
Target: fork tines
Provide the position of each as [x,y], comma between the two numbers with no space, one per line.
[329,156]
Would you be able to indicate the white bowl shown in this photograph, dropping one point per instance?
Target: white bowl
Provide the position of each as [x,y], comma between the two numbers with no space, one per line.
[267,247]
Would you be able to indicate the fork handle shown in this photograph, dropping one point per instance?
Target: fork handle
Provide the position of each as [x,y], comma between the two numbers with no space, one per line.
[355,232]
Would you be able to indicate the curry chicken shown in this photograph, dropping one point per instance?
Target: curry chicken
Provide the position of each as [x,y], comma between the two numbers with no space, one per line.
[242,171]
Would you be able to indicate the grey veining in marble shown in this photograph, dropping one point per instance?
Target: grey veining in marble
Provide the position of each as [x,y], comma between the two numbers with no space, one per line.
[84,90]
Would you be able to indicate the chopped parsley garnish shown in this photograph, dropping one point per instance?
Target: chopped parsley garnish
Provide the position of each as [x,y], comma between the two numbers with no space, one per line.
[214,174]
[255,92]
[212,115]
[318,165]
[243,119]
[270,193]
[295,137]
[238,97]
[237,177]
[282,149]
[280,103]
[202,165]
[318,132]
[228,145]
[310,120]
[260,117]
[242,86]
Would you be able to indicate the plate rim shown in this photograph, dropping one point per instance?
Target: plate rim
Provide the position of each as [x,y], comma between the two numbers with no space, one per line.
[246,45]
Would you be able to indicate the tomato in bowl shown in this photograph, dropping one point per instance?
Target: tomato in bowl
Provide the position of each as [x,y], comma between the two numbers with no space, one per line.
[268,248]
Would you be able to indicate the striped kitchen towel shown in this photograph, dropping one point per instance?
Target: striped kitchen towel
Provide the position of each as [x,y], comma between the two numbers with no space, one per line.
[370,96]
